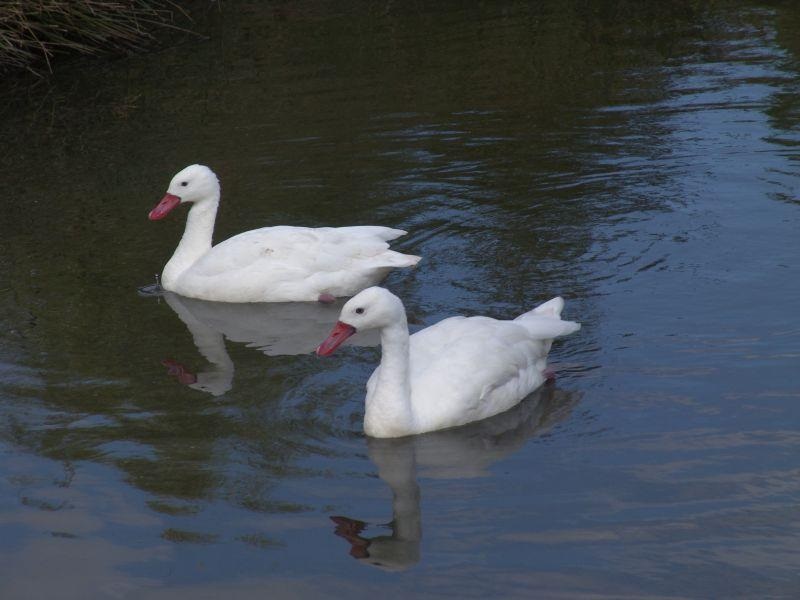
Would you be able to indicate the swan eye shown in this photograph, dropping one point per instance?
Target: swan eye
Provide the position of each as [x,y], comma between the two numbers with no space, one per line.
[360,310]
[184,183]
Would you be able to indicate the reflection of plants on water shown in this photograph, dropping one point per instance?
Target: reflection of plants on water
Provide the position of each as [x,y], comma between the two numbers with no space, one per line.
[461,452]
[440,167]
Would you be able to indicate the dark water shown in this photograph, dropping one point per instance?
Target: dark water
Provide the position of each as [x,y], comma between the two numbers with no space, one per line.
[639,158]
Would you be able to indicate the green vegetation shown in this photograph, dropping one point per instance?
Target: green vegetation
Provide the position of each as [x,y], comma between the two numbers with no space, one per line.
[33,32]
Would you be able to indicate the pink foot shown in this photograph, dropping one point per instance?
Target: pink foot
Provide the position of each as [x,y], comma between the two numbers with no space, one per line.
[348,526]
[326,298]
[179,372]
[350,529]
[549,375]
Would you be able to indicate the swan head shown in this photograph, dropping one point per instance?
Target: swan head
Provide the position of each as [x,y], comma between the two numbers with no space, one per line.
[373,308]
[195,183]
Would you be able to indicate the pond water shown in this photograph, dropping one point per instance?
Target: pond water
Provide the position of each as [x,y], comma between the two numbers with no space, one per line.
[638,158]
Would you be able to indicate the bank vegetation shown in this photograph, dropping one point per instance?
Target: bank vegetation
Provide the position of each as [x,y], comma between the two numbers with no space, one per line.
[33,33]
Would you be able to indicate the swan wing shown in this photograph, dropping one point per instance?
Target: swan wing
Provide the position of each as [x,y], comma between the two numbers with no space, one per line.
[296,263]
[472,368]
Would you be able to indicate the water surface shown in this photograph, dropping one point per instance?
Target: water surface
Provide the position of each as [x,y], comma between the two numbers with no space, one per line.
[638,158]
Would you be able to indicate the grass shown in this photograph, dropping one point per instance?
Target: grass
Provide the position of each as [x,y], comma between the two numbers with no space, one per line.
[34,32]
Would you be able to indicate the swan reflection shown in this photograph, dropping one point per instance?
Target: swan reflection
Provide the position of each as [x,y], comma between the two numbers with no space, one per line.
[275,328]
[458,453]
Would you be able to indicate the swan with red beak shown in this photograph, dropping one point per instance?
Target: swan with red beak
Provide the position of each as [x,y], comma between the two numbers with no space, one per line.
[271,264]
[461,369]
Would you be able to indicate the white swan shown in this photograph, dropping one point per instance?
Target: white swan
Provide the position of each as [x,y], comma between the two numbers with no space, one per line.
[272,264]
[459,370]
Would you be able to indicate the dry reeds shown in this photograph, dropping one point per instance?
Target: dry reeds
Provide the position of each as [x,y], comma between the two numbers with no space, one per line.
[32,32]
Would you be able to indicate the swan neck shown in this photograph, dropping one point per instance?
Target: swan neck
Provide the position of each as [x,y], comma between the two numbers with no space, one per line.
[196,239]
[388,410]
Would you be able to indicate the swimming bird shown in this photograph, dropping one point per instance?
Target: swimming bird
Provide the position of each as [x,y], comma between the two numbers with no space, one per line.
[271,264]
[461,369]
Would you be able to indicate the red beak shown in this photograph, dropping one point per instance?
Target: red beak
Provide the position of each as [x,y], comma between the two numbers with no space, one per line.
[161,210]
[341,331]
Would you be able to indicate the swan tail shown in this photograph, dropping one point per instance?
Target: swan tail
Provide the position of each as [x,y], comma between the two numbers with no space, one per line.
[384,233]
[551,308]
[544,322]
[390,258]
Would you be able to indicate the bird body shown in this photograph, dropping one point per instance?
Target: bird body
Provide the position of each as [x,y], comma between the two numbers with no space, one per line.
[459,370]
[271,264]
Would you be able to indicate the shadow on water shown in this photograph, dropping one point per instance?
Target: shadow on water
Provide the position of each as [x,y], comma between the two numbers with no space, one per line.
[458,453]
[275,329]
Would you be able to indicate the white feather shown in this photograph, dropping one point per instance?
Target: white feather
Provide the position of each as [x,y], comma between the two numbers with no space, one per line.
[272,264]
[459,370]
